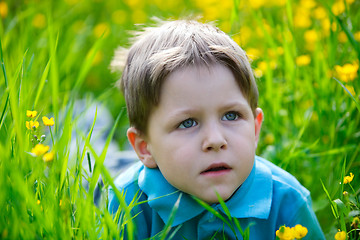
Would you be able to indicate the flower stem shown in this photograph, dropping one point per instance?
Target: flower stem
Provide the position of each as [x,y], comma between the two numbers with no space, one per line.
[52,138]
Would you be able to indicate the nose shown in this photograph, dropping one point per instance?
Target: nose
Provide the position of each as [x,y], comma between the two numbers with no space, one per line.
[214,139]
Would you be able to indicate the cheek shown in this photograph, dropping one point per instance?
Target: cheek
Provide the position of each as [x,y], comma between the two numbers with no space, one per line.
[174,156]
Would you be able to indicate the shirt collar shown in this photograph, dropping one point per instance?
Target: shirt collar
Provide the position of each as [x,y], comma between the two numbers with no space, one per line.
[252,199]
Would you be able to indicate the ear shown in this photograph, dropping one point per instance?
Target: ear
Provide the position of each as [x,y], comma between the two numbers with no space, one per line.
[258,122]
[141,147]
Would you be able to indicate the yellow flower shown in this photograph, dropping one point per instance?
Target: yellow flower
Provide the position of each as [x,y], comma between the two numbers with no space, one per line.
[31,114]
[348,179]
[338,7]
[350,89]
[39,21]
[100,29]
[48,122]
[311,36]
[48,156]
[253,53]
[284,233]
[348,72]
[40,149]
[299,231]
[3,9]
[32,124]
[255,4]
[342,37]
[258,72]
[98,57]
[302,20]
[308,4]
[355,222]
[269,139]
[340,235]
[303,60]
[320,13]
[357,36]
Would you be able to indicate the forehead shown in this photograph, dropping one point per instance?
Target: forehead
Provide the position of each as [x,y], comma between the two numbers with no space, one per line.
[200,85]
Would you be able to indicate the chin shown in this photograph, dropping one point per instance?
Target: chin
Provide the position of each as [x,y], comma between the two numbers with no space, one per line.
[214,199]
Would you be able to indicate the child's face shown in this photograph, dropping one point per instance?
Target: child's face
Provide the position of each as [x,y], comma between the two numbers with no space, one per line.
[203,134]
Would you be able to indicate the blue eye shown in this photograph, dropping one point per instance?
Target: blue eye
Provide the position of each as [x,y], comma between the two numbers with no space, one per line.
[230,116]
[188,123]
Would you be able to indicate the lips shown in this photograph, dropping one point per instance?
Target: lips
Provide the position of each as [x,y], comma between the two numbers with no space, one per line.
[216,167]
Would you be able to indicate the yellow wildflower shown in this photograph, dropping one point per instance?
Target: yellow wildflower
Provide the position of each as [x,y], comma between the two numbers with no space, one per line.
[338,7]
[3,9]
[299,231]
[269,139]
[311,36]
[39,21]
[284,233]
[303,60]
[98,57]
[348,72]
[253,53]
[350,89]
[244,36]
[135,3]
[345,193]
[342,37]
[278,3]
[302,17]
[308,4]
[357,36]
[31,114]
[48,156]
[32,124]
[302,20]
[40,149]
[320,13]
[38,202]
[100,29]
[256,4]
[258,72]
[355,222]
[348,179]
[340,235]
[48,122]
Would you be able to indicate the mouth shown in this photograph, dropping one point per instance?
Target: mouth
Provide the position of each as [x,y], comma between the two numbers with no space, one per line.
[216,168]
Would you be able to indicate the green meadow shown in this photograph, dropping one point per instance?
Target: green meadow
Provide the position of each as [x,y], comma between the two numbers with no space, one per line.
[55,57]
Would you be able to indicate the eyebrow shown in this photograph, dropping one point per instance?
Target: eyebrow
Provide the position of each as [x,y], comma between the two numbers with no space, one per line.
[182,113]
[236,104]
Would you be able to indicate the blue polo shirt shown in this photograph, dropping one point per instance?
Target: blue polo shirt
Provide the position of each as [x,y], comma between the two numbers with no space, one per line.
[269,198]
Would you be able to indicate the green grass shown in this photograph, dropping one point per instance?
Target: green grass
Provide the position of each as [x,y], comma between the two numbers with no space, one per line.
[56,52]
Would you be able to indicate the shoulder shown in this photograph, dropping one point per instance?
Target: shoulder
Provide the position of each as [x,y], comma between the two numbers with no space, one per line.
[129,176]
[283,182]
[127,184]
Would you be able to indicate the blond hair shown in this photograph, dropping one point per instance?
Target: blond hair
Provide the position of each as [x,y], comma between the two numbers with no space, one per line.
[158,51]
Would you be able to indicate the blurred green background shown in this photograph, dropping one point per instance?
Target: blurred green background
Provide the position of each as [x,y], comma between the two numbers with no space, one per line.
[56,52]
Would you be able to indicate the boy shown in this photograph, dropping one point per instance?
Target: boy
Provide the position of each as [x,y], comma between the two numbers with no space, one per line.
[192,105]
